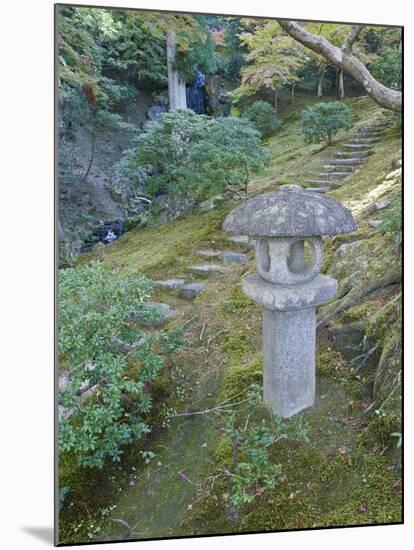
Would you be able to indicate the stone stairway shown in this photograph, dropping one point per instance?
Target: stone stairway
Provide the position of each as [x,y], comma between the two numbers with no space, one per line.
[220,265]
[346,161]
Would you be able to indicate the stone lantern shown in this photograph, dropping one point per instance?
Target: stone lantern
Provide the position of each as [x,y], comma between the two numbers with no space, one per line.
[288,226]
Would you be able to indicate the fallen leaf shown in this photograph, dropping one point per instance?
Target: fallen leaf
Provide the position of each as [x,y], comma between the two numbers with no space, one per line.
[341,450]
[204,445]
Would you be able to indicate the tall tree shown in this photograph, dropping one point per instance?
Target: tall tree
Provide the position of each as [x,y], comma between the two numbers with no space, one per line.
[176,81]
[273,59]
[345,60]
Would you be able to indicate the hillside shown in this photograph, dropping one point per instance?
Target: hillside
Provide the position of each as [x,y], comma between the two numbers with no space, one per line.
[348,471]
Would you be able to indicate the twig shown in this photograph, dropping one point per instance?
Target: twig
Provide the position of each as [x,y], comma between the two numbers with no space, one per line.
[202,330]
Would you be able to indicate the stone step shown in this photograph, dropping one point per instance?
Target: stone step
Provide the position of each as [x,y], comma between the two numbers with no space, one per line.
[209,253]
[341,166]
[175,284]
[352,154]
[317,189]
[338,175]
[358,146]
[191,290]
[234,258]
[345,162]
[318,182]
[360,141]
[369,133]
[207,269]
[239,239]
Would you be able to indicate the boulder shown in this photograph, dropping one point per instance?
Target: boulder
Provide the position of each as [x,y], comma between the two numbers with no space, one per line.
[170,206]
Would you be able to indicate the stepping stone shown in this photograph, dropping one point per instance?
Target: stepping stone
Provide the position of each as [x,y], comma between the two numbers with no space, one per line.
[192,290]
[374,223]
[206,269]
[170,283]
[165,313]
[234,258]
[209,253]
[239,239]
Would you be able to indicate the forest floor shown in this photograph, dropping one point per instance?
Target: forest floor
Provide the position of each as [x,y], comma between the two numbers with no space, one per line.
[349,472]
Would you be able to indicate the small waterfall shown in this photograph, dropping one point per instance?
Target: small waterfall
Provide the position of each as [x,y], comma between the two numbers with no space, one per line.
[195,94]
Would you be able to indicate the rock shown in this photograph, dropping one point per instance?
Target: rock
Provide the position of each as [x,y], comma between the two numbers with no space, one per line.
[164,313]
[349,340]
[234,258]
[209,253]
[170,206]
[191,290]
[206,269]
[348,248]
[161,100]
[155,111]
[175,284]
[374,223]
[378,206]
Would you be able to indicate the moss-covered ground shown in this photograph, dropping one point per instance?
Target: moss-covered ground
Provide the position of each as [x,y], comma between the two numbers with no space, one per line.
[348,473]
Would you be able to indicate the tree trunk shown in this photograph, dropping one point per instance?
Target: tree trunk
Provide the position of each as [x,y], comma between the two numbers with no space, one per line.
[341,89]
[276,101]
[320,81]
[345,60]
[293,92]
[176,83]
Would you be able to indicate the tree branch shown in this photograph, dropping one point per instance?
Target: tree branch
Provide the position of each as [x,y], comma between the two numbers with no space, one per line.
[345,60]
[352,37]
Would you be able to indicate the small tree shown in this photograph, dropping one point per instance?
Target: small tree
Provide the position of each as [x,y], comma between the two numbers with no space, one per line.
[189,153]
[262,115]
[108,362]
[322,121]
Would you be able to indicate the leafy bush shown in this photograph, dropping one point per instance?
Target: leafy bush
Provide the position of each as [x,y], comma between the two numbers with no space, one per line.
[107,363]
[388,68]
[253,471]
[322,121]
[263,116]
[189,153]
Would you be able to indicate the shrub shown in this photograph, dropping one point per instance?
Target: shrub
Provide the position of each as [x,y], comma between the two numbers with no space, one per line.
[263,116]
[106,396]
[189,153]
[322,121]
